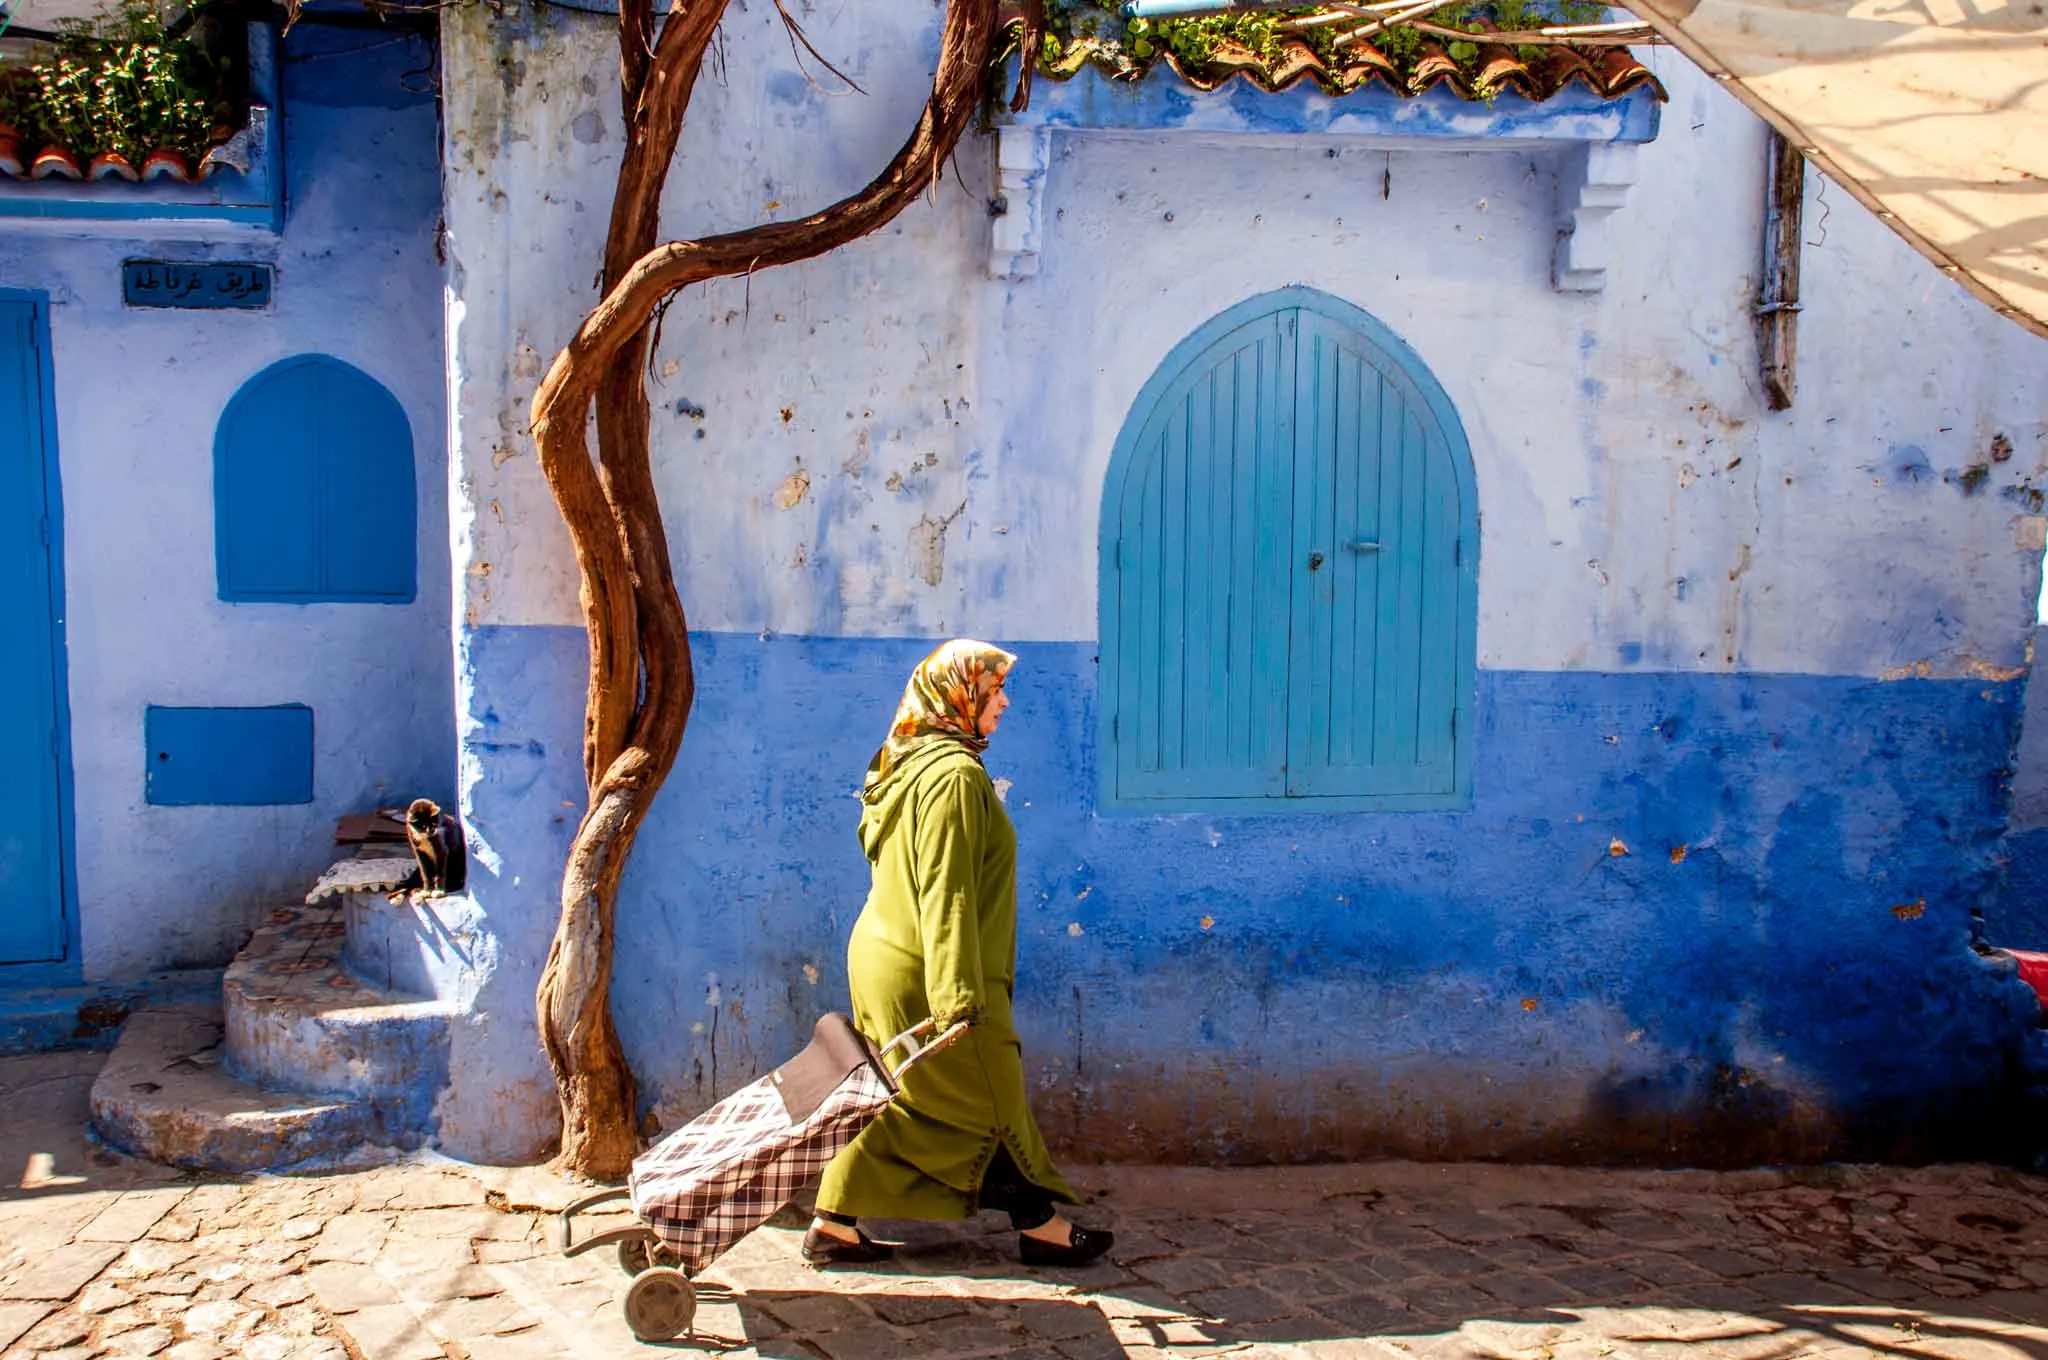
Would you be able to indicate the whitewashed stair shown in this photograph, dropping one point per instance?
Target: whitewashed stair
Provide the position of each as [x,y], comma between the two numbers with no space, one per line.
[302,1065]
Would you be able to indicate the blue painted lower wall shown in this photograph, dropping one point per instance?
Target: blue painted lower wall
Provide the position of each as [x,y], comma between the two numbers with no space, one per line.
[2018,918]
[1700,918]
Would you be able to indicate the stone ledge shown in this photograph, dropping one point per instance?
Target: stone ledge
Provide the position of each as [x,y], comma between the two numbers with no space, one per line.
[1595,138]
[89,1015]
[295,1017]
[165,1095]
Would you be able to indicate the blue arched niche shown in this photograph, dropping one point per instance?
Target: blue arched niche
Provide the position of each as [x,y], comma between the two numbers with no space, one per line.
[313,488]
[1288,576]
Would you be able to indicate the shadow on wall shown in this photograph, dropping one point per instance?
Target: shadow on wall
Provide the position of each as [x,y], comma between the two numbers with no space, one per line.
[2017,917]
[1728,1107]
[1712,921]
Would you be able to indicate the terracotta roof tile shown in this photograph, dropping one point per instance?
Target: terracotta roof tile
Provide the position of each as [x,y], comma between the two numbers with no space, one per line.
[19,161]
[1501,69]
[1608,72]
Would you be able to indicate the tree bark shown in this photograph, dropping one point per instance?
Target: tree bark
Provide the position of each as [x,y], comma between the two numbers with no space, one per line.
[641,685]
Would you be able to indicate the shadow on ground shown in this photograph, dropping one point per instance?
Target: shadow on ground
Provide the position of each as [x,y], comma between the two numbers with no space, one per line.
[46,1144]
[1113,1323]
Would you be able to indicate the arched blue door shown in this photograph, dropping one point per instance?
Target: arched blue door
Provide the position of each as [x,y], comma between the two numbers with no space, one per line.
[314,498]
[1289,572]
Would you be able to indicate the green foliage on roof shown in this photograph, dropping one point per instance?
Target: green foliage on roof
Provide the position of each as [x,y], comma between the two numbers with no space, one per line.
[118,83]
[1094,33]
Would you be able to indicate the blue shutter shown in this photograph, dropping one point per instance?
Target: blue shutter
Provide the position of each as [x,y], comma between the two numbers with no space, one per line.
[32,893]
[1377,505]
[1195,615]
[267,488]
[369,494]
[1289,572]
[228,757]
[314,495]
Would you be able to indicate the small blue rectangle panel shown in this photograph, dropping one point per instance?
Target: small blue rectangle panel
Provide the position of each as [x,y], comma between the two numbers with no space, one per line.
[200,286]
[229,757]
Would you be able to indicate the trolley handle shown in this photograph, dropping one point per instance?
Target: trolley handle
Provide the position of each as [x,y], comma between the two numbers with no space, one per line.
[570,1247]
[915,1046]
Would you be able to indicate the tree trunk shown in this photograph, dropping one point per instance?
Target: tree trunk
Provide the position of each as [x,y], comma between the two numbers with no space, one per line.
[641,685]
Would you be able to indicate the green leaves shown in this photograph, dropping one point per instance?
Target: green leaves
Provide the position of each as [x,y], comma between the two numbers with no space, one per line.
[1128,49]
[116,84]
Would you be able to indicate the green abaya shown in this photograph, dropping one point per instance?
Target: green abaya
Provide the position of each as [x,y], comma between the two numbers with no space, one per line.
[938,938]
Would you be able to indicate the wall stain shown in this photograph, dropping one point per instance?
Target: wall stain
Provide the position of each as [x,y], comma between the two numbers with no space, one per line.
[1979,669]
[792,491]
[1971,479]
[1731,619]
[1909,467]
[928,545]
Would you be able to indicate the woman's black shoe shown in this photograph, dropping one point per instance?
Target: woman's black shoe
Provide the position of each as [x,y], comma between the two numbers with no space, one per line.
[1086,1245]
[823,1249]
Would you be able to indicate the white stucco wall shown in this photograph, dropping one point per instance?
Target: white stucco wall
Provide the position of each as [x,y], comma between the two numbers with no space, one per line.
[1641,508]
[138,395]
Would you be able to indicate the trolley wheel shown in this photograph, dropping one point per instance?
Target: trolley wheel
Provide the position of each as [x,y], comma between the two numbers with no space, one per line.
[660,1304]
[638,1253]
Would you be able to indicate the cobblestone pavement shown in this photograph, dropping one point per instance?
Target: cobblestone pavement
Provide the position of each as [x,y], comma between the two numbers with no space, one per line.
[100,1256]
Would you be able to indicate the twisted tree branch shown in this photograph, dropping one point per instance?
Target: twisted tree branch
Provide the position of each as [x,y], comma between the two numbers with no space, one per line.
[641,684]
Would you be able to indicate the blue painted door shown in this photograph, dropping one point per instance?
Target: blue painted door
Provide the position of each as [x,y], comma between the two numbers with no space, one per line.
[1202,575]
[1370,698]
[313,488]
[1288,588]
[31,792]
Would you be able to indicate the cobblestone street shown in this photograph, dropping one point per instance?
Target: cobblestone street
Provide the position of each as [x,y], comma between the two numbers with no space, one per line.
[101,1256]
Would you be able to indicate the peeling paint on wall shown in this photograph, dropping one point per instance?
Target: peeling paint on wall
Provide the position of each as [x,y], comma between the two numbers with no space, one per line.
[793,489]
[928,546]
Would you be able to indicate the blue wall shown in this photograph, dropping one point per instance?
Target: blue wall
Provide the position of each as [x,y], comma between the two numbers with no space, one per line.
[1689,917]
[2018,917]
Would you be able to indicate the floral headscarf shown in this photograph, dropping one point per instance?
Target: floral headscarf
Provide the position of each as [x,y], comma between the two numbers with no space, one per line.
[942,703]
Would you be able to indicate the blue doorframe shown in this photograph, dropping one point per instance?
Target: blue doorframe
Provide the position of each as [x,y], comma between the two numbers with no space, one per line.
[39,929]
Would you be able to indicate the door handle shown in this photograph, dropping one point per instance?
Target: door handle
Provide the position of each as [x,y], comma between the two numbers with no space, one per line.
[1362,545]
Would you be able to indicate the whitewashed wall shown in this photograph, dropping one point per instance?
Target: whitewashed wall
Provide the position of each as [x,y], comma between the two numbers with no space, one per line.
[138,396]
[888,434]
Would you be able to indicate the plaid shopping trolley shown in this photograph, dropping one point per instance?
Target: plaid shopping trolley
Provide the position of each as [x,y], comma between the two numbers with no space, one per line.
[720,1176]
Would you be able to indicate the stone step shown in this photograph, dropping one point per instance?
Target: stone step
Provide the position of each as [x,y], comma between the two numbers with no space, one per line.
[166,1094]
[298,1020]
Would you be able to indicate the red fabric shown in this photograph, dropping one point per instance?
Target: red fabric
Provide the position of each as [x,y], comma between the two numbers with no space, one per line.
[2033,971]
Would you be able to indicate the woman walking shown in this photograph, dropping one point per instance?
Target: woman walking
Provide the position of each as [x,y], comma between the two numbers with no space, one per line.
[938,939]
